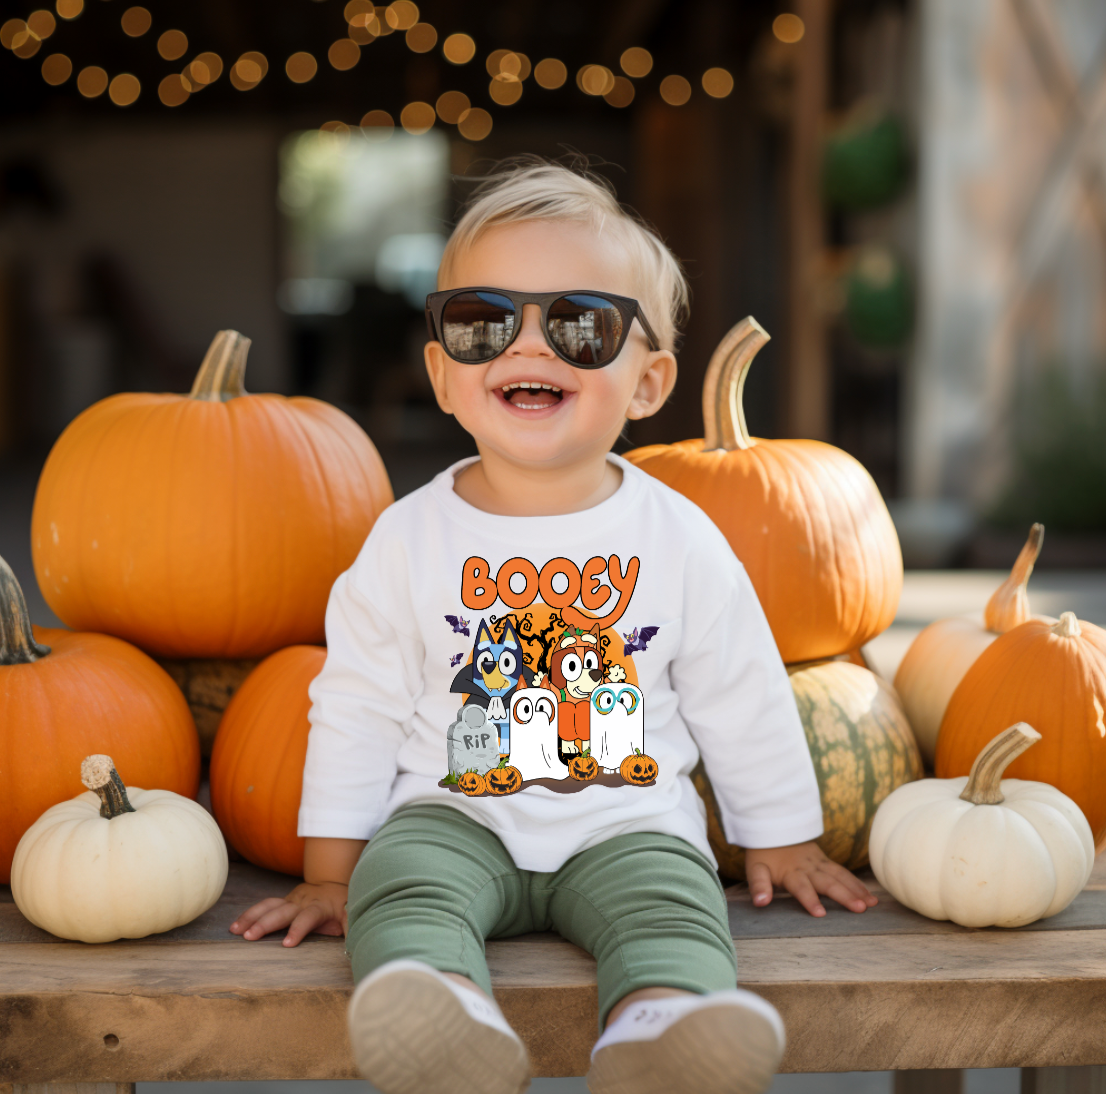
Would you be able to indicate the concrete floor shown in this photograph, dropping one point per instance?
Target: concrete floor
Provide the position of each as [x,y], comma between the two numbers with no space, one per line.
[926,596]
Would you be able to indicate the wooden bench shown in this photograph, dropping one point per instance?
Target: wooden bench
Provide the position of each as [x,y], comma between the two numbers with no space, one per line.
[884,990]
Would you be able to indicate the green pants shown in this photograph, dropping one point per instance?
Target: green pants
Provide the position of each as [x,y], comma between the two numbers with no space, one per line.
[433,884]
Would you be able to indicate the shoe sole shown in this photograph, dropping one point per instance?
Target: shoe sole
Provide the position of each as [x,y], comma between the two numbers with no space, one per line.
[412,1035]
[705,1052]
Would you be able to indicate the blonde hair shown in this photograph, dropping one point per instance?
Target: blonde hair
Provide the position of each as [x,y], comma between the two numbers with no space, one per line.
[531,188]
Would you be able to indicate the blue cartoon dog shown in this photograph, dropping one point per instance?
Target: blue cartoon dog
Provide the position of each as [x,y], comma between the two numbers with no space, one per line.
[494,672]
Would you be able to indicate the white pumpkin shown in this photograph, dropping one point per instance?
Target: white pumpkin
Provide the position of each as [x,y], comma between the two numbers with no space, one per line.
[941,654]
[104,866]
[980,851]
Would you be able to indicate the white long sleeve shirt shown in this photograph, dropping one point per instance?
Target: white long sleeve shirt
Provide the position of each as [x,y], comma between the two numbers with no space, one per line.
[429,670]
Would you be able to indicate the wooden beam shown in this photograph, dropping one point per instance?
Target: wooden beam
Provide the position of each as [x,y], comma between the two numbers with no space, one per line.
[806,411]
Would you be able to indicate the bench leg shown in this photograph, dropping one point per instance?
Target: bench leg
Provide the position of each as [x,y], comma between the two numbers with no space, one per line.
[934,1081]
[1064,1080]
[66,1088]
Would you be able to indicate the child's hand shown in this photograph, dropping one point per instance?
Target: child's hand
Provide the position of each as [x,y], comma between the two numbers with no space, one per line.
[308,907]
[804,871]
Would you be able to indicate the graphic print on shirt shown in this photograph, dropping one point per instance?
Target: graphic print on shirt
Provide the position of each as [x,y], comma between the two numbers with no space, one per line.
[549,694]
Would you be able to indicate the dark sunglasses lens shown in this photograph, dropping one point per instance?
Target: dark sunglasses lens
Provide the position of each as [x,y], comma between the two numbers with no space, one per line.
[477,326]
[586,329]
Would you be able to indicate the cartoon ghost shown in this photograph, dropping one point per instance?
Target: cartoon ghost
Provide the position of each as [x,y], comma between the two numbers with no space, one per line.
[617,724]
[534,734]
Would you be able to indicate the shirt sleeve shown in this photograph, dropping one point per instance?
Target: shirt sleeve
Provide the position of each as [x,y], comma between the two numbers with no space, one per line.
[736,700]
[362,706]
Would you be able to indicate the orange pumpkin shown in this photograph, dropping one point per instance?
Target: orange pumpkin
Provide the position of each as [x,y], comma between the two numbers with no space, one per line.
[503,779]
[472,783]
[207,525]
[582,766]
[805,518]
[65,695]
[1053,676]
[638,769]
[257,762]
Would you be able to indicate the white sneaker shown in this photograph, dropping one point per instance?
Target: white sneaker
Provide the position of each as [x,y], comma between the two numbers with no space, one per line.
[415,1031]
[726,1042]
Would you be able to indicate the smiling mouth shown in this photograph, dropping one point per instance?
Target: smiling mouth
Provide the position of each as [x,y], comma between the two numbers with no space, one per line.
[531,395]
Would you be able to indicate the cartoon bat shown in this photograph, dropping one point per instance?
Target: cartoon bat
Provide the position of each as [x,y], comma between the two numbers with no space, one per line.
[459,625]
[455,660]
[638,641]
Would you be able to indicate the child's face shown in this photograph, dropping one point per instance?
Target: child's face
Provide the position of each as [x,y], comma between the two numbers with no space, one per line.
[581,416]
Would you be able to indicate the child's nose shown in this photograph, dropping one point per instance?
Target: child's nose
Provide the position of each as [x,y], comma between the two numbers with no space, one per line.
[531,338]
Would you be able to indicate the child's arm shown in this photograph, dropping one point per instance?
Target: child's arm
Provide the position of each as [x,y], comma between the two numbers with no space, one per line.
[737,701]
[319,904]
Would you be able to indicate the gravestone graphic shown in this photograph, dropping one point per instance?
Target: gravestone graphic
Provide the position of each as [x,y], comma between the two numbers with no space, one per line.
[472,742]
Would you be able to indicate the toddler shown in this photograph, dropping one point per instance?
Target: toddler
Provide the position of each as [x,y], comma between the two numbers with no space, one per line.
[524,663]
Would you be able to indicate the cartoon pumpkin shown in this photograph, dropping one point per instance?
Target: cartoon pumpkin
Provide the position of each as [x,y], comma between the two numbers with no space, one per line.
[582,766]
[638,769]
[503,779]
[472,783]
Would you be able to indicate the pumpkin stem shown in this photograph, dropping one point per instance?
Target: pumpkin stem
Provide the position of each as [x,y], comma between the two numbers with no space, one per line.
[994,758]
[1068,627]
[17,640]
[223,372]
[1009,605]
[723,411]
[98,774]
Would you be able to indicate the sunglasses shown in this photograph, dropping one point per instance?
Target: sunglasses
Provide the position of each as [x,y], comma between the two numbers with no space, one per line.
[587,329]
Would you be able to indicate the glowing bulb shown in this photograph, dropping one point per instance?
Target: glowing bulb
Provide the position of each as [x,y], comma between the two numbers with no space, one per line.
[70,9]
[636,62]
[717,83]
[505,90]
[344,54]
[124,89]
[417,117]
[401,15]
[377,125]
[474,124]
[459,49]
[301,67]
[788,28]
[675,90]
[622,94]
[422,38]
[136,21]
[451,105]
[41,23]
[550,73]
[171,91]
[92,82]
[172,45]
[56,69]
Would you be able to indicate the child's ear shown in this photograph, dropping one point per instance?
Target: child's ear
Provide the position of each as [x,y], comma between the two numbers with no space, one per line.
[655,384]
[435,358]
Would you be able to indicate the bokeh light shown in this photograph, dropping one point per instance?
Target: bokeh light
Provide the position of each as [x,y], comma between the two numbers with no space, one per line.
[124,89]
[422,38]
[360,10]
[136,21]
[248,71]
[377,125]
[41,23]
[338,129]
[26,44]
[205,69]
[9,30]
[550,73]
[172,45]
[451,105]
[301,67]
[417,117]
[494,59]
[636,62]
[70,9]
[595,79]
[344,54]
[401,15]
[359,31]
[171,91]
[505,90]
[717,83]
[92,81]
[475,124]
[459,49]
[56,69]
[378,27]
[258,59]
[675,90]
[788,28]
[622,94]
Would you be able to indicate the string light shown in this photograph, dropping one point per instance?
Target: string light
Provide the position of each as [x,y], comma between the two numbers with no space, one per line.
[301,67]
[459,49]
[344,54]
[636,62]
[675,90]
[136,21]
[41,24]
[377,125]
[505,89]
[56,69]
[92,82]
[172,91]
[451,105]
[205,69]
[401,15]
[475,124]
[172,45]
[595,80]
[717,83]
[9,30]
[788,28]
[550,73]
[26,44]
[422,38]
[621,94]
[248,71]
[124,89]
[70,9]
[417,118]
